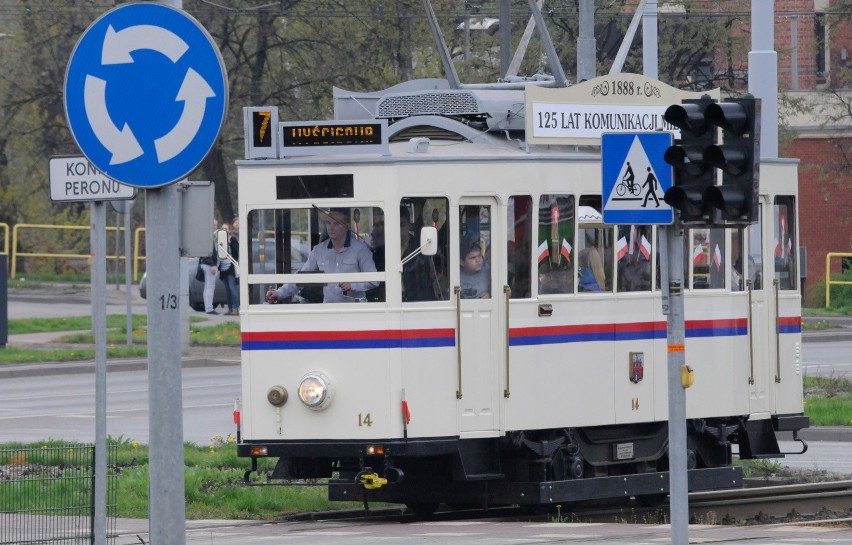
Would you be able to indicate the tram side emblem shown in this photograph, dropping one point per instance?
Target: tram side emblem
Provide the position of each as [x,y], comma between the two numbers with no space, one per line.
[637,367]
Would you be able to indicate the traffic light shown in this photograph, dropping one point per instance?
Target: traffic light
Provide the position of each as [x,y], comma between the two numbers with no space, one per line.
[738,157]
[692,173]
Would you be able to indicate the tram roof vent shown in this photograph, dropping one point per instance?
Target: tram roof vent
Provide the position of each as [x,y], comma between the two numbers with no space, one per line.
[445,102]
[492,107]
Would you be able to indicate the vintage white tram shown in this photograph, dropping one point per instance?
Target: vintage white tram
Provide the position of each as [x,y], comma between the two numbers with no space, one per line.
[413,384]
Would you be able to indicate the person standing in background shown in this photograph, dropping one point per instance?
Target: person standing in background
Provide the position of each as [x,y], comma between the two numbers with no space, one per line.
[227,272]
[208,265]
[234,249]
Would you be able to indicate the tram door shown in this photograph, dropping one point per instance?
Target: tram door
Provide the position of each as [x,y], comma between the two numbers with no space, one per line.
[761,323]
[478,295]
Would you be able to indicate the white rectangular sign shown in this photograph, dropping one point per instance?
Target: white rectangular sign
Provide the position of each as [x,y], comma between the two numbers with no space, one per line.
[76,179]
[554,120]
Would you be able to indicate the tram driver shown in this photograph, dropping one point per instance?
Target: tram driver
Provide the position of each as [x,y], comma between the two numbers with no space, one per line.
[342,252]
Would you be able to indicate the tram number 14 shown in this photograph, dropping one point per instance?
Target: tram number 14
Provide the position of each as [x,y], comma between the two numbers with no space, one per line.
[365,420]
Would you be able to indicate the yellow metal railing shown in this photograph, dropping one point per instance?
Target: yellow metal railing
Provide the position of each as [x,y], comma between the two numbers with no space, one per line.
[5,229]
[828,280]
[137,255]
[19,228]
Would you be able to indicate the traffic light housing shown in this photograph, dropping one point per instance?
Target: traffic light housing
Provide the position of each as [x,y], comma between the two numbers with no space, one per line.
[738,157]
[693,175]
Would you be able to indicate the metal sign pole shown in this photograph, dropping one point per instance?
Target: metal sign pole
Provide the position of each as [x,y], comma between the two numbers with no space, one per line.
[117,247]
[128,284]
[155,165]
[678,485]
[166,508]
[97,212]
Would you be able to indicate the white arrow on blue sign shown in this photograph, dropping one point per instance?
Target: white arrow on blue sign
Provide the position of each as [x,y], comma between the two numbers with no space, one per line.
[635,177]
[146,94]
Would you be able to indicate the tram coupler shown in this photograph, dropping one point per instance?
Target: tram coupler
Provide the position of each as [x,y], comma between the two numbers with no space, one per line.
[253,469]
[371,481]
[800,440]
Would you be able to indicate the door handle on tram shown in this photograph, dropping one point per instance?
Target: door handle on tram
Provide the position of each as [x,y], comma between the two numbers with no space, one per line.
[776,285]
[750,338]
[457,292]
[507,291]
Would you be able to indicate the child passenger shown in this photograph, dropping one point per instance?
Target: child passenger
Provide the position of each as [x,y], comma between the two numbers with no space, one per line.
[475,277]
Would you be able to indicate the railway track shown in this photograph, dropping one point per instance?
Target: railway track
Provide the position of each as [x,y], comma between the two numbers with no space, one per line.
[774,503]
[763,505]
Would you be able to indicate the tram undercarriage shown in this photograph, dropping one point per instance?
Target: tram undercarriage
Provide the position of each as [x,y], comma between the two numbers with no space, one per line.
[530,467]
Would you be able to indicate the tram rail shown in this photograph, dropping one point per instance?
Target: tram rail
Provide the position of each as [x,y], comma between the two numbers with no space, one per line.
[825,501]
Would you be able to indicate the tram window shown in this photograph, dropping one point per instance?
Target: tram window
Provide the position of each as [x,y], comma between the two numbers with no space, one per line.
[707,254]
[737,278]
[518,245]
[633,255]
[285,241]
[659,281]
[315,186]
[784,226]
[555,250]
[594,247]
[424,278]
[475,251]
[755,253]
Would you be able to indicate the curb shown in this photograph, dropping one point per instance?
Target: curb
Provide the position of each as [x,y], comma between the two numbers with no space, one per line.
[828,335]
[113,366]
[836,434]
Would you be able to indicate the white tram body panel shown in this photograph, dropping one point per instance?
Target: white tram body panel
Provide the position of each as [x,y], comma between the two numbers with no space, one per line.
[513,363]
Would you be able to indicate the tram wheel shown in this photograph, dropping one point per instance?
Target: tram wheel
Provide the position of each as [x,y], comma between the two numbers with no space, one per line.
[422,509]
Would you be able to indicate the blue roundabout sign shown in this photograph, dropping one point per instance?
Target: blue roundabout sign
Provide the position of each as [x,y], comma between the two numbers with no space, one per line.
[146,94]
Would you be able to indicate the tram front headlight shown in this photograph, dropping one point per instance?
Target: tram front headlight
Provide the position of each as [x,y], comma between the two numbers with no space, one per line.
[314,391]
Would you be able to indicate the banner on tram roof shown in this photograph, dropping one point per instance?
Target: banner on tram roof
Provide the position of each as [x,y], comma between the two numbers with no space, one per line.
[580,114]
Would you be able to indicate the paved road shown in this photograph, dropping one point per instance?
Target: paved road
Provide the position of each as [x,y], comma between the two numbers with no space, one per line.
[828,359]
[62,406]
[473,532]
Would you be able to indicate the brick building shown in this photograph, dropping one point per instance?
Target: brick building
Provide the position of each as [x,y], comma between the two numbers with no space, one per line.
[813,40]
[814,45]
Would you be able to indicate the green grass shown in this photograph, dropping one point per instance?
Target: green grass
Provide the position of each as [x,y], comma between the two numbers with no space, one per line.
[226,334]
[836,411]
[31,355]
[213,481]
[76,323]
[828,401]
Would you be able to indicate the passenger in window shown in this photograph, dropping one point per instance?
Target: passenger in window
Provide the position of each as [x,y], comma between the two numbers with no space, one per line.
[377,245]
[342,252]
[634,273]
[475,279]
[419,280]
[737,277]
[634,265]
[590,265]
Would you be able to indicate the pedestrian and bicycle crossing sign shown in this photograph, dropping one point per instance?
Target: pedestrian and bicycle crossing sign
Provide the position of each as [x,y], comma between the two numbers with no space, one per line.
[146,94]
[635,178]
